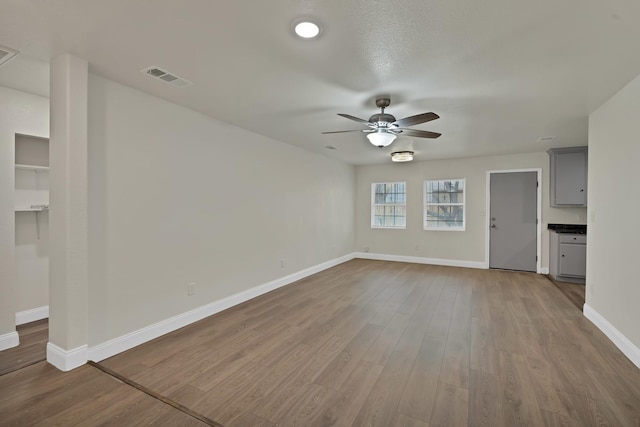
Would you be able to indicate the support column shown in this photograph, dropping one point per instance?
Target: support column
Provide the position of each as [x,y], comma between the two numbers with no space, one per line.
[68,268]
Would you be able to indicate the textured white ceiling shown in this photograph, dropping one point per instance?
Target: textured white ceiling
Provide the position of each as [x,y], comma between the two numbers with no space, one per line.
[500,73]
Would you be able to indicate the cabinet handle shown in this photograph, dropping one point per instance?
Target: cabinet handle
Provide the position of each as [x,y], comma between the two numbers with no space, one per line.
[582,190]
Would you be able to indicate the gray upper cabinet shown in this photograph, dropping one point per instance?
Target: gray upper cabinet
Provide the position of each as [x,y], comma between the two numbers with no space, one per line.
[568,176]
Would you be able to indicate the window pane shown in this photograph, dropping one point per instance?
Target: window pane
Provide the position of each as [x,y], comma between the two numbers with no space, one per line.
[445,216]
[388,204]
[444,204]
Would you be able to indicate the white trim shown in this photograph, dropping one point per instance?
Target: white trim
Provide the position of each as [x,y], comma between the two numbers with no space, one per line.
[544,270]
[421,260]
[539,215]
[32,315]
[9,340]
[620,341]
[125,342]
[66,360]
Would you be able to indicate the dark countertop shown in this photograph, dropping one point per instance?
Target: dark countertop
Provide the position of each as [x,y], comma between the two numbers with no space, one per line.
[568,228]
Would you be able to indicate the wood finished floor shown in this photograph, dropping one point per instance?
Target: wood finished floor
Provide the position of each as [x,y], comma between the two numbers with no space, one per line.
[32,348]
[364,343]
[574,291]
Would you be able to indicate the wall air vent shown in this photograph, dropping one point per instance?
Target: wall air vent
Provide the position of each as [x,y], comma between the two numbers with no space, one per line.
[165,76]
[7,55]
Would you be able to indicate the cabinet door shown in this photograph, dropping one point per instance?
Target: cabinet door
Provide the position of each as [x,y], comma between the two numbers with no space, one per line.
[571,178]
[573,260]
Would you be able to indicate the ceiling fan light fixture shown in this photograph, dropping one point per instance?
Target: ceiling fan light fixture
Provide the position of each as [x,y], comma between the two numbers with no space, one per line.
[402,156]
[381,138]
[307,29]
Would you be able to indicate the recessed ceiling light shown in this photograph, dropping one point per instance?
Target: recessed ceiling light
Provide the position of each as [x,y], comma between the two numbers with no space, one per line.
[307,29]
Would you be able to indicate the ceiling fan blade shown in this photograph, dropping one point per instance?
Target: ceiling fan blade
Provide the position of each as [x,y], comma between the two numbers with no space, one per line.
[419,133]
[355,119]
[416,120]
[343,131]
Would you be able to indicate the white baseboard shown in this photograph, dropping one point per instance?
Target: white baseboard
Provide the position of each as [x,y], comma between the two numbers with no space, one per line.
[421,260]
[9,340]
[66,360]
[544,270]
[32,315]
[125,342]
[620,341]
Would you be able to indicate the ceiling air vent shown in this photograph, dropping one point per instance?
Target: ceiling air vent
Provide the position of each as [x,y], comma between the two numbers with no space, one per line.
[166,76]
[6,55]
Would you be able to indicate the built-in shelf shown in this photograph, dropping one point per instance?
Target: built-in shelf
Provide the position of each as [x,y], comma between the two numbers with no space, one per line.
[18,209]
[31,177]
[33,168]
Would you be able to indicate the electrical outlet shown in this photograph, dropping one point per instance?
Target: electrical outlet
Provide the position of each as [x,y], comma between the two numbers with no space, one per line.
[417,247]
[366,248]
[191,288]
[283,263]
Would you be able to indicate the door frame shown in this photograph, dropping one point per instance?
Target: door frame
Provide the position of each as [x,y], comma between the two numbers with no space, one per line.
[538,214]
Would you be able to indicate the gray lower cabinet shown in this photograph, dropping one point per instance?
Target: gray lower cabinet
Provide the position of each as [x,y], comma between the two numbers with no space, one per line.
[568,176]
[568,257]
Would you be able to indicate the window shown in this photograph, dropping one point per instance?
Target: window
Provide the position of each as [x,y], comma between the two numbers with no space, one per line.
[444,204]
[389,205]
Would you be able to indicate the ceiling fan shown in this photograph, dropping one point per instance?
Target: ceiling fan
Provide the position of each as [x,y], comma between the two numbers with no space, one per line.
[384,128]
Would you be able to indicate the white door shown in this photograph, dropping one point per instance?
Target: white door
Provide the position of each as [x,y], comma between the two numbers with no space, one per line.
[513,199]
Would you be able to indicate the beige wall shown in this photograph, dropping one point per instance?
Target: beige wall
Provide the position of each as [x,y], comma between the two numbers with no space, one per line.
[614,208]
[177,197]
[466,245]
[25,113]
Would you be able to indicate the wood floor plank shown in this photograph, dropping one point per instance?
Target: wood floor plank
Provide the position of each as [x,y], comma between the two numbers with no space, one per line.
[485,408]
[402,420]
[381,405]
[249,419]
[386,341]
[451,407]
[344,363]
[483,355]
[419,393]
[519,403]
[455,364]
[344,408]
[306,407]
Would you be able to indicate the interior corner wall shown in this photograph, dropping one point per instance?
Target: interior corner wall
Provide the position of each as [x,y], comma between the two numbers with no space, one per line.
[456,246]
[20,112]
[614,207]
[176,197]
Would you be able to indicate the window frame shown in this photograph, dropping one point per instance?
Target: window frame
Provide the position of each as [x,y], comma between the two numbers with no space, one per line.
[374,205]
[426,203]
